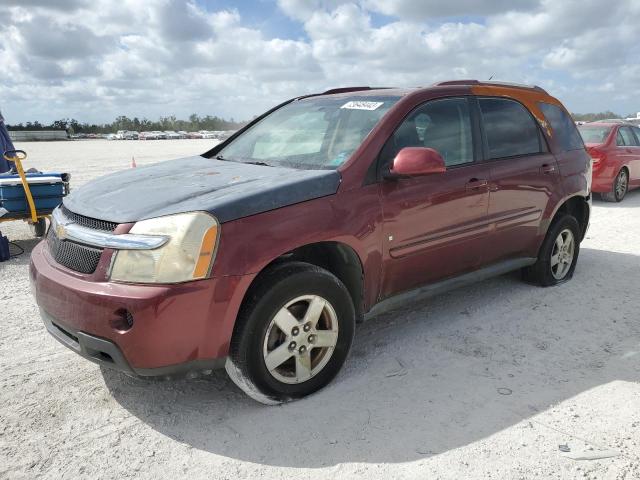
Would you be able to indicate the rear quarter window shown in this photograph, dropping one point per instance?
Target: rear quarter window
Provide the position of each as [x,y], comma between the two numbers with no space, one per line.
[509,128]
[563,127]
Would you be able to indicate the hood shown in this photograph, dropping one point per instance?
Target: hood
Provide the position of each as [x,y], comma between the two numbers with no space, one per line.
[228,190]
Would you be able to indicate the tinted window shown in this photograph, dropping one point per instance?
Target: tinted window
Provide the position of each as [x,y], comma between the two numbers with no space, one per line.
[444,125]
[509,127]
[627,134]
[620,139]
[636,130]
[563,127]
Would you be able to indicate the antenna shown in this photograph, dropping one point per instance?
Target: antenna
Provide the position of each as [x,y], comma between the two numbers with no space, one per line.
[490,78]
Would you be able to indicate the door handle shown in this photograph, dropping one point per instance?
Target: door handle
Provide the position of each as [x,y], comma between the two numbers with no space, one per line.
[476,184]
[547,169]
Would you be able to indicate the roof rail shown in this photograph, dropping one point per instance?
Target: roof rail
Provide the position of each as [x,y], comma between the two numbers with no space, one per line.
[492,83]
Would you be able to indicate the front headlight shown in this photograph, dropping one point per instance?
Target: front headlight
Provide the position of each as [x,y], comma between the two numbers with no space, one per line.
[188,255]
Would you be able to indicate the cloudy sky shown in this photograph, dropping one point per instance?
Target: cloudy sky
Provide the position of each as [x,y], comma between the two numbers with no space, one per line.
[95,59]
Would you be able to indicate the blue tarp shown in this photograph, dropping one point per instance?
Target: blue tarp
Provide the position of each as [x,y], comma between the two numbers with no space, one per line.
[5,145]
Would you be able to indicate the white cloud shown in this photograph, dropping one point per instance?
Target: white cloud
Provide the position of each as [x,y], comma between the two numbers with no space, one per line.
[95,60]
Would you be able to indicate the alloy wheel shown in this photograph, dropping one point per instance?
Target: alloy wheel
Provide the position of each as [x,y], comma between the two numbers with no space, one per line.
[300,339]
[562,254]
[622,182]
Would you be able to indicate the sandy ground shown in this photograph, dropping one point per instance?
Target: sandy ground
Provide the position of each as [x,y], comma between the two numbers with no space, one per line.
[482,382]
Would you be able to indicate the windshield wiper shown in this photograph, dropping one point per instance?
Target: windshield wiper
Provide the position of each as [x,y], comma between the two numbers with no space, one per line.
[224,159]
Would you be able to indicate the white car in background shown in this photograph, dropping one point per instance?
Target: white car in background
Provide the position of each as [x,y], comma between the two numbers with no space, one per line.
[207,134]
[148,136]
[131,135]
[171,135]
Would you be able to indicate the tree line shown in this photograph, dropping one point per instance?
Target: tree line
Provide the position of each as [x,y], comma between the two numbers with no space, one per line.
[194,123]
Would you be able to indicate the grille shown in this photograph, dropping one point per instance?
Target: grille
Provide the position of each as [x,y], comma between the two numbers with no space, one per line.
[74,256]
[88,222]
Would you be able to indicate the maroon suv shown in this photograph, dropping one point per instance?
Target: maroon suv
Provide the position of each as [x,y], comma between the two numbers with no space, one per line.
[262,254]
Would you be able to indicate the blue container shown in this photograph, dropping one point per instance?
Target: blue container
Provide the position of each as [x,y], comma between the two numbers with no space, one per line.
[47,190]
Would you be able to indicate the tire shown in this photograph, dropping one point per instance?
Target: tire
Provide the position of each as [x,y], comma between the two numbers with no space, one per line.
[619,189]
[547,270]
[272,319]
[39,229]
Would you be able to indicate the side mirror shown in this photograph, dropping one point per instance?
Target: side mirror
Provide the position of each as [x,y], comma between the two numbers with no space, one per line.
[417,161]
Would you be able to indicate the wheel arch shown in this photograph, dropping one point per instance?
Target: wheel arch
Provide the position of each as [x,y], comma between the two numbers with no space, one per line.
[336,257]
[578,207]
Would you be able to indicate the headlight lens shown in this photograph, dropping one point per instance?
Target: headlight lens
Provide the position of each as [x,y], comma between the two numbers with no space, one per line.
[188,255]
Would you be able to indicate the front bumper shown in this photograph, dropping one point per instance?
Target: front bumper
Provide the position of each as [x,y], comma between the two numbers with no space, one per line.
[175,328]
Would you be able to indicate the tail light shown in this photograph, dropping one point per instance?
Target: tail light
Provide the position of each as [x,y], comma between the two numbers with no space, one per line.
[597,156]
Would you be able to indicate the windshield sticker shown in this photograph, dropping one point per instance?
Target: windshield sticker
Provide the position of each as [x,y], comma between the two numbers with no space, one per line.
[358,105]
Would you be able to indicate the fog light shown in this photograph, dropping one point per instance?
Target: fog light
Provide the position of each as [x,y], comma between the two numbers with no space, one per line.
[123,321]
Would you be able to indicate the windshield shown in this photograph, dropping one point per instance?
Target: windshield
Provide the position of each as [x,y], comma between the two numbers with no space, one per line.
[593,133]
[312,133]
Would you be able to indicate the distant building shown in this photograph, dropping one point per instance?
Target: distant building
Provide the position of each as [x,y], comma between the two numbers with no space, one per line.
[635,119]
[37,135]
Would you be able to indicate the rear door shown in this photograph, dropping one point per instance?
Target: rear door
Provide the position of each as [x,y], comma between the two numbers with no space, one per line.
[632,152]
[435,226]
[524,177]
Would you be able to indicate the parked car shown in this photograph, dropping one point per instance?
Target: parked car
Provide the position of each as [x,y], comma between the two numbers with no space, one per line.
[614,146]
[171,135]
[263,253]
[207,134]
[182,134]
[131,135]
[194,135]
[148,136]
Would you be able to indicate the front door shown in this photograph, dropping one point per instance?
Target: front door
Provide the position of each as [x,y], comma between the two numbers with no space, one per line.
[435,226]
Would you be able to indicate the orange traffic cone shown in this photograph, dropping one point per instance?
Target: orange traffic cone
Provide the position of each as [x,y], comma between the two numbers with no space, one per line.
[133,162]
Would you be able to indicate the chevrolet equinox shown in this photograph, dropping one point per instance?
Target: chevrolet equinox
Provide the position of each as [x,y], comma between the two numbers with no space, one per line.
[262,254]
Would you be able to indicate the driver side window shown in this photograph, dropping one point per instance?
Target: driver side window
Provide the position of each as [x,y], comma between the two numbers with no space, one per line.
[444,125]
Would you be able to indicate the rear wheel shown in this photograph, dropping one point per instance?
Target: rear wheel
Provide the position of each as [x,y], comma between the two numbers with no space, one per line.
[558,254]
[620,187]
[293,334]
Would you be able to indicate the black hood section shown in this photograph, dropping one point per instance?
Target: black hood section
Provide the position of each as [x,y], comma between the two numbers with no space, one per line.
[228,190]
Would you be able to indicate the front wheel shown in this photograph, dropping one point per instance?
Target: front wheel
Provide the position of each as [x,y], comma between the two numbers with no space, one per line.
[558,254]
[293,333]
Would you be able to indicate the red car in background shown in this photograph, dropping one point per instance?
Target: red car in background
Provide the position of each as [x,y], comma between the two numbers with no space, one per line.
[614,146]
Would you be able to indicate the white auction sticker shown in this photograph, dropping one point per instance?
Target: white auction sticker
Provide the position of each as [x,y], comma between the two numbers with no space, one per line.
[358,105]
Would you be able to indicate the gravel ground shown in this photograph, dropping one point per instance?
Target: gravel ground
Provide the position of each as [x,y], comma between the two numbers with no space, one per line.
[482,382]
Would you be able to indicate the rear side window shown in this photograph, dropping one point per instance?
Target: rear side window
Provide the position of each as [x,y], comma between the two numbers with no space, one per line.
[619,140]
[562,126]
[628,137]
[509,128]
[636,130]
